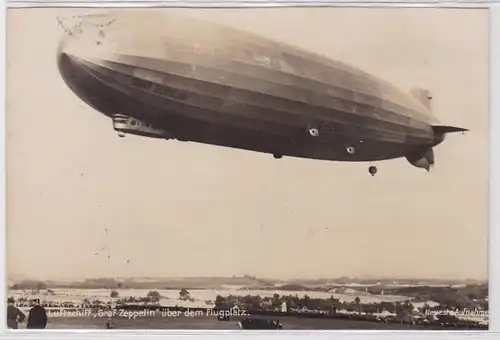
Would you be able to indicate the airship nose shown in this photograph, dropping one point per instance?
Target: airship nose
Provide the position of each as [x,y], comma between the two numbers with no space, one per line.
[68,69]
[80,54]
[85,38]
[86,41]
[75,74]
[83,47]
[70,63]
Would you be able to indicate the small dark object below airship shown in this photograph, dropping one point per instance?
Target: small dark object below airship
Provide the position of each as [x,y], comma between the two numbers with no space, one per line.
[177,78]
[372,170]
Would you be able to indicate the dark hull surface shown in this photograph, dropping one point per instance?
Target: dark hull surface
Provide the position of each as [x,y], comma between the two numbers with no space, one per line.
[211,84]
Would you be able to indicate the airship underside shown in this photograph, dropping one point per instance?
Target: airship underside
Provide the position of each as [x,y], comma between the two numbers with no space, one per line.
[246,92]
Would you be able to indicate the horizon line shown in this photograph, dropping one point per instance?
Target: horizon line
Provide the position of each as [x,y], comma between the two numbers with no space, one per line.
[374,278]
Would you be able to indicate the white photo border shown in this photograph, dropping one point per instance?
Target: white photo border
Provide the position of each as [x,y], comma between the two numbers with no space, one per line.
[494,231]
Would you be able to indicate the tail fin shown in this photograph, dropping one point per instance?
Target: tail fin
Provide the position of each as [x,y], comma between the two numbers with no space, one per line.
[423,96]
[440,132]
[424,157]
[444,129]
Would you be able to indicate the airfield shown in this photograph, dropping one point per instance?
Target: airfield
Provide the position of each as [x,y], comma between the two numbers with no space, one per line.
[211,323]
[200,297]
[161,303]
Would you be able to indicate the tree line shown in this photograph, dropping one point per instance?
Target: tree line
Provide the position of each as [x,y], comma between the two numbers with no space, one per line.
[294,302]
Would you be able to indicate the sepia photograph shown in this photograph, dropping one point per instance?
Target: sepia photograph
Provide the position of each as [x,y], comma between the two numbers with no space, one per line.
[265,168]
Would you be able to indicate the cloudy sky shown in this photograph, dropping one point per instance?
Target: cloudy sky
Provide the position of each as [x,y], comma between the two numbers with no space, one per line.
[185,209]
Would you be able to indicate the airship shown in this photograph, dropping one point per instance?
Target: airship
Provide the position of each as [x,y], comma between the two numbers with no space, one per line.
[181,78]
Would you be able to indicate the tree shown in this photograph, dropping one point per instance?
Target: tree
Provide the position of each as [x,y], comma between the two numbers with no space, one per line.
[114,294]
[387,306]
[219,301]
[291,302]
[357,303]
[153,296]
[398,307]
[306,300]
[252,302]
[184,294]
[426,308]
[407,306]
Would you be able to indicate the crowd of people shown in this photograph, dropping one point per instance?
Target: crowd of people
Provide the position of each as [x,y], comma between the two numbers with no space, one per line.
[37,316]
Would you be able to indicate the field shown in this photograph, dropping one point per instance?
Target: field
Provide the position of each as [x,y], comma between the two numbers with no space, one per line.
[199,297]
[211,323]
[203,298]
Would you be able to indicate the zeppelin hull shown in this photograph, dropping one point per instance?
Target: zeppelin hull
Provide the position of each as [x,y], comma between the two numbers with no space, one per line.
[249,93]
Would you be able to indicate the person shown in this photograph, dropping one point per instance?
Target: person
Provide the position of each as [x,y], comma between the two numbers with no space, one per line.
[14,314]
[37,318]
[109,324]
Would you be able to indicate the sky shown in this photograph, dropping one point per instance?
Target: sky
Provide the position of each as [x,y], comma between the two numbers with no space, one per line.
[169,209]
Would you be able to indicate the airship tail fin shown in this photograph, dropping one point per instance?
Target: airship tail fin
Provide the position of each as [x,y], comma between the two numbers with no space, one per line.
[440,132]
[423,96]
[444,129]
[424,157]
